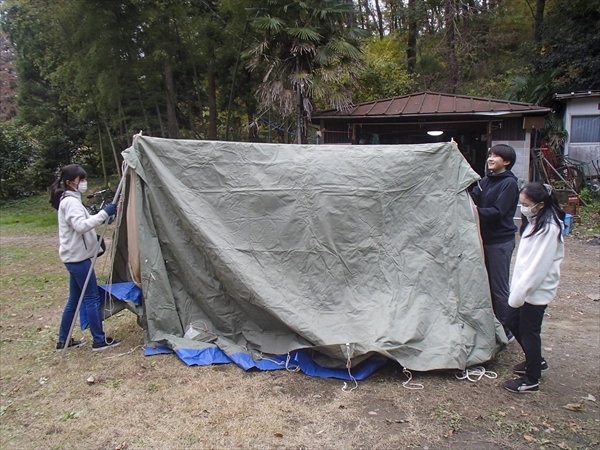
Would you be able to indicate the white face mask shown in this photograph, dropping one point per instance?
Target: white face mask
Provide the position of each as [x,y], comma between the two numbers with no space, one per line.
[527,210]
[82,186]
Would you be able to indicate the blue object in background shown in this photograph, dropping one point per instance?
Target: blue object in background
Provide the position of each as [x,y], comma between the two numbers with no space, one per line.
[568,222]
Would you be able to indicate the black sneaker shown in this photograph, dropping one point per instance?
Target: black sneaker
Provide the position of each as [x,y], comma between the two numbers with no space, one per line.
[521,386]
[106,343]
[521,368]
[72,344]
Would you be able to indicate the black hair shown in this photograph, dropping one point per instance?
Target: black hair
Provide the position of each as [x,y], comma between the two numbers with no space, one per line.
[537,193]
[58,188]
[506,152]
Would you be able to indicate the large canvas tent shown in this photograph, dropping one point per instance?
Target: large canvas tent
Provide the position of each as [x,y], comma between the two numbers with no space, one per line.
[258,253]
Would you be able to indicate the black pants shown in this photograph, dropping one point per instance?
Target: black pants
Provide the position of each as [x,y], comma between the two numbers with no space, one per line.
[525,323]
[497,263]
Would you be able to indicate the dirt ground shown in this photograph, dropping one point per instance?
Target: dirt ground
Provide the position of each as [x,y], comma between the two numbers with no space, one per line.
[120,399]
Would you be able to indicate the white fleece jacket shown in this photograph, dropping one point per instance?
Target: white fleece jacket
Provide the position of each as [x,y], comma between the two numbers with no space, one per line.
[76,229]
[537,268]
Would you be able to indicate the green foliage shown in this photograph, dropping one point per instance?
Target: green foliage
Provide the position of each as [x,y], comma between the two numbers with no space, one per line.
[591,198]
[532,88]
[589,214]
[571,44]
[17,156]
[384,74]
[308,48]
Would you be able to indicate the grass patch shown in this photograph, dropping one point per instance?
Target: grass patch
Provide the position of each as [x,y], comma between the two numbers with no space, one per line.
[28,215]
[35,214]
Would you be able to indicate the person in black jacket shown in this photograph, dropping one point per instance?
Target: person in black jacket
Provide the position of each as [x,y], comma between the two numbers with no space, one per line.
[496,197]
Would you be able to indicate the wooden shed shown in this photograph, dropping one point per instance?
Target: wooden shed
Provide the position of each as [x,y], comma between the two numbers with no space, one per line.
[475,123]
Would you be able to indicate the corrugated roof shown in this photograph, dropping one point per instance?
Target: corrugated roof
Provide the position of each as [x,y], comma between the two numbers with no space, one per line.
[433,104]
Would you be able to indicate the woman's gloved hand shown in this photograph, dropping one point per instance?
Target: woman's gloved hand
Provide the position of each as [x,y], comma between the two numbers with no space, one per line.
[111,209]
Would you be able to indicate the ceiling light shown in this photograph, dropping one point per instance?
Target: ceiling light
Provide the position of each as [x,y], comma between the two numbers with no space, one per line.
[435,133]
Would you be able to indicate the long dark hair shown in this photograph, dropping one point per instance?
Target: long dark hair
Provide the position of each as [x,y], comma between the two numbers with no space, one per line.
[537,193]
[58,188]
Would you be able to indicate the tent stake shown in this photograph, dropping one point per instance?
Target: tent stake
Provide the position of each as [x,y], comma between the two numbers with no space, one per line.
[89,274]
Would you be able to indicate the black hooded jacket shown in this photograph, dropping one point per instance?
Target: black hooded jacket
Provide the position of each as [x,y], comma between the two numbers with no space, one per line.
[496,197]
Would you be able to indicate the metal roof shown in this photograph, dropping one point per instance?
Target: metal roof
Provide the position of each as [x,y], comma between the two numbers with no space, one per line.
[433,104]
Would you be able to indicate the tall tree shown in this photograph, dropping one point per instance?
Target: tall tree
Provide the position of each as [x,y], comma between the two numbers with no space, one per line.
[306,51]
[8,80]
[451,58]
[411,47]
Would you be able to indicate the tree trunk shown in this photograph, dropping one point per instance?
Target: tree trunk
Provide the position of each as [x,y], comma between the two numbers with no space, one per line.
[212,102]
[451,59]
[539,20]
[366,14]
[114,150]
[102,154]
[379,19]
[197,90]
[172,126]
[123,125]
[160,122]
[411,49]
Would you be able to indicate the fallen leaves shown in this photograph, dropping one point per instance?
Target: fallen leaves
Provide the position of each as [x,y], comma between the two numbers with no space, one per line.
[589,398]
[279,435]
[528,438]
[574,406]
[396,420]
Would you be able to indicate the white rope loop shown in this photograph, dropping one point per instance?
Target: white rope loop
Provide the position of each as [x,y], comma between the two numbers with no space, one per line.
[474,374]
[408,384]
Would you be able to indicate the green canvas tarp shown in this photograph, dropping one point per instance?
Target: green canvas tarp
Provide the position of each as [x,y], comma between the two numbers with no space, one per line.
[349,251]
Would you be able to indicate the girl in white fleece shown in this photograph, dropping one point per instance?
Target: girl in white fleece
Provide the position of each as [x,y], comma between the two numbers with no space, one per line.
[535,280]
[77,244]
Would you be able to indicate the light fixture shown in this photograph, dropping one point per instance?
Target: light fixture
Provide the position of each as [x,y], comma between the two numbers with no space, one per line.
[435,133]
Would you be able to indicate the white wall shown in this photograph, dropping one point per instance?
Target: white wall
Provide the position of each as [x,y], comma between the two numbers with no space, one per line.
[521,167]
[589,151]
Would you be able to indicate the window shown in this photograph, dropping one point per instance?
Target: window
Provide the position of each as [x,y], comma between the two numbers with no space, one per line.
[585,129]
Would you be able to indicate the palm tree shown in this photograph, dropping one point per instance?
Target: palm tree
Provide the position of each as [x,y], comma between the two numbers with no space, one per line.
[306,51]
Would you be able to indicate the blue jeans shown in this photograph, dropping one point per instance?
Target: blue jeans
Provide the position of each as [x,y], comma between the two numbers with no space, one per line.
[91,301]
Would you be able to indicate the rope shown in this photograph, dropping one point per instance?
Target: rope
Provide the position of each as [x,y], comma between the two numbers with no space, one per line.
[408,383]
[475,374]
[348,366]
[287,363]
[259,356]
[123,354]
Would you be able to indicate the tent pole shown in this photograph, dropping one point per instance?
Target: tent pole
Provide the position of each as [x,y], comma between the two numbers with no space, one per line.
[89,275]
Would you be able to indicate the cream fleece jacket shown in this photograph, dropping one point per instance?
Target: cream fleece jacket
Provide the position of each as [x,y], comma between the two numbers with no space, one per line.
[537,267]
[76,229]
